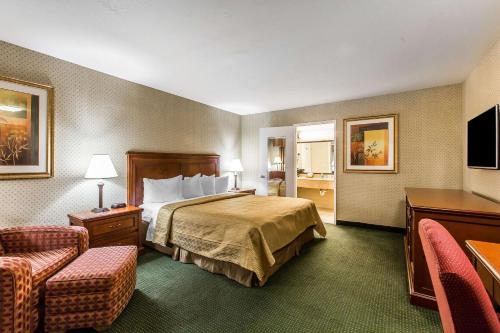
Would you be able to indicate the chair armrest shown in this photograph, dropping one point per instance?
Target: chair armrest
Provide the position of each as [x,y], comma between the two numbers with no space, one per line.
[43,238]
[15,294]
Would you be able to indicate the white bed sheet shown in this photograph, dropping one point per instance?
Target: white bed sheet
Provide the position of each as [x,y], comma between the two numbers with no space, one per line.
[151,210]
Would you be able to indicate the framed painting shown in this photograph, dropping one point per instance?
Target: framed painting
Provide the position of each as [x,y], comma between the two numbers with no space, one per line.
[371,144]
[26,129]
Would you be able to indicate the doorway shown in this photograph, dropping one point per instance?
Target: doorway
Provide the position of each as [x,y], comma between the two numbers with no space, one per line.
[316,167]
[300,161]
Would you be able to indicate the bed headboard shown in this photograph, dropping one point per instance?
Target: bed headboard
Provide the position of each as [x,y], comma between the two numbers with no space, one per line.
[164,165]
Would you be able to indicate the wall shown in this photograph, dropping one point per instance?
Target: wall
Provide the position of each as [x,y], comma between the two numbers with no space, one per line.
[481,91]
[98,113]
[430,127]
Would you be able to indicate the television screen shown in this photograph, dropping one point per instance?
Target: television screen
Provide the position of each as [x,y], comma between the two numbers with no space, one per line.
[483,141]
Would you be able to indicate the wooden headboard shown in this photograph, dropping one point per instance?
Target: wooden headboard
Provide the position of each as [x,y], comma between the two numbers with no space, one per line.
[164,165]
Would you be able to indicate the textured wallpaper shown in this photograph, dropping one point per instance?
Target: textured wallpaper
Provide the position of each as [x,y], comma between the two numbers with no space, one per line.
[481,91]
[98,113]
[430,127]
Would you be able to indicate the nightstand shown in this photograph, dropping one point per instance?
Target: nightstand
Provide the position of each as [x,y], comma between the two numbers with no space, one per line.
[244,190]
[115,227]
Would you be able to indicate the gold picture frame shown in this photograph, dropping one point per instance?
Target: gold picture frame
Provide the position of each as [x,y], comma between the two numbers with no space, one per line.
[26,129]
[371,144]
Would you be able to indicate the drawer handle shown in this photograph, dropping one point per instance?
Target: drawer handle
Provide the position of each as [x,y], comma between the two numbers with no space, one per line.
[114,226]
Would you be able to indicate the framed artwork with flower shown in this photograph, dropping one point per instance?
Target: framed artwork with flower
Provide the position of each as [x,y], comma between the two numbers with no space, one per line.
[371,144]
[26,129]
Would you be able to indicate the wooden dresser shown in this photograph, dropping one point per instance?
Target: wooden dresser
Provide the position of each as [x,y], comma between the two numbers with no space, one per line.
[115,227]
[487,264]
[465,215]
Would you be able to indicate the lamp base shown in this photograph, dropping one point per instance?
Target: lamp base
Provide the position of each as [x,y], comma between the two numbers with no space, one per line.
[100,210]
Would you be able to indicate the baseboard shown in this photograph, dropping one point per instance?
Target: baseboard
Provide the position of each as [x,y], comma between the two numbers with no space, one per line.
[372,226]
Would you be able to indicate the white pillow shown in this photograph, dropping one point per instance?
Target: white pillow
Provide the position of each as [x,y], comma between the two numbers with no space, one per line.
[191,187]
[162,190]
[221,184]
[208,184]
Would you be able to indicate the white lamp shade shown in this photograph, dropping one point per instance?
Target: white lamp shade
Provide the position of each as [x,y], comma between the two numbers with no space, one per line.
[236,165]
[100,166]
[277,160]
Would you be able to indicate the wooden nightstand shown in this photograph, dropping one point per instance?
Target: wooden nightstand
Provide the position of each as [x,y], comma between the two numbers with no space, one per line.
[244,190]
[115,227]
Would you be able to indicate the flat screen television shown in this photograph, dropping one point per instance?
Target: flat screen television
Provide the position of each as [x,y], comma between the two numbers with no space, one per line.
[483,140]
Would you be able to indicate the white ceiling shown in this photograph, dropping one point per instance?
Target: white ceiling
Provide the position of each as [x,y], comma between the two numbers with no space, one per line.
[252,56]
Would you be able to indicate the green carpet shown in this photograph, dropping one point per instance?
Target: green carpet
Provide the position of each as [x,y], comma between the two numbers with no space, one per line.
[353,281]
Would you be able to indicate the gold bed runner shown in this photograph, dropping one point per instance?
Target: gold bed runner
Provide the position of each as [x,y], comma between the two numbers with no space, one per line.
[237,227]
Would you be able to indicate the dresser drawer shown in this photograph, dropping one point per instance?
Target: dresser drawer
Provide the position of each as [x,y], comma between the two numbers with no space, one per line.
[99,228]
[128,239]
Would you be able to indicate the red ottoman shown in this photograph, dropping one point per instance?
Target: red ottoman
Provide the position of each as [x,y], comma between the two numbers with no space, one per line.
[92,290]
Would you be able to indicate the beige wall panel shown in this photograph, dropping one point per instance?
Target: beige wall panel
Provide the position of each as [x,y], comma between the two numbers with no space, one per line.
[481,91]
[98,113]
[430,127]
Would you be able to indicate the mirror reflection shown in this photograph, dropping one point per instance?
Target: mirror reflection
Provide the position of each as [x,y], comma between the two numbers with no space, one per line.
[276,169]
[315,157]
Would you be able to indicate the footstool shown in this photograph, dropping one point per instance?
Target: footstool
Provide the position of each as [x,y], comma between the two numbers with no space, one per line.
[92,290]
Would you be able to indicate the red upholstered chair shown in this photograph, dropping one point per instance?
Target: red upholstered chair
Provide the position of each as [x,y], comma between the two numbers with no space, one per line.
[464,305]
[28,257]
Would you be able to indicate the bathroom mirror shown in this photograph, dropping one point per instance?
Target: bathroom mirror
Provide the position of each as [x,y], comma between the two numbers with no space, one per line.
[315,157]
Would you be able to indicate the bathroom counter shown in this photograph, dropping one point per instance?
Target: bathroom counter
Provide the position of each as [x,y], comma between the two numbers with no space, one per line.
[318,183]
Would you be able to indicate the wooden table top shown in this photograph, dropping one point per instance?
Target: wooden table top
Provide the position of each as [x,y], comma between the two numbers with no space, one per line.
[453,200]
[89,216]
[488,254]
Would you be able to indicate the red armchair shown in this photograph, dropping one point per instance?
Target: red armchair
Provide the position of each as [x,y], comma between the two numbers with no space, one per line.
[28,257]
[464,305]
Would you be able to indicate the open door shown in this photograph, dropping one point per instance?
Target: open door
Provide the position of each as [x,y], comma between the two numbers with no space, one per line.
[277,161]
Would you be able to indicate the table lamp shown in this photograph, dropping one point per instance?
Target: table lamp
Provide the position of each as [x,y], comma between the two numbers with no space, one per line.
[277,161]
[236,167]
[100,167]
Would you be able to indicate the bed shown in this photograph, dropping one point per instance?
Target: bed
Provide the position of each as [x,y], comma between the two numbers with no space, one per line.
[244,237]
[276,184]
